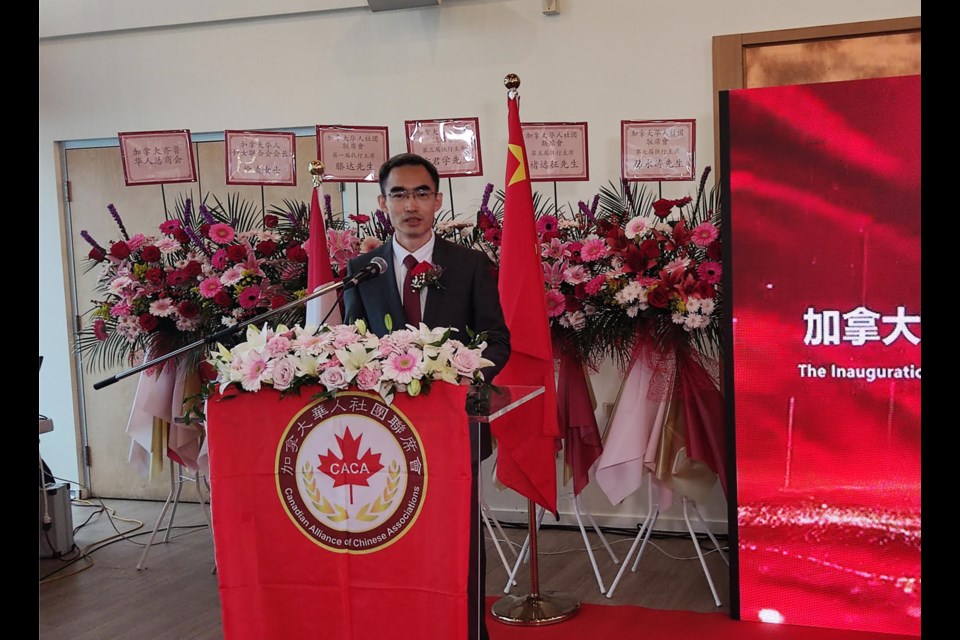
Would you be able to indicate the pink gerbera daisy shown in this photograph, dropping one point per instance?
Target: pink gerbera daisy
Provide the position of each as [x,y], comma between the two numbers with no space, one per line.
[222,233]
[710,272]
[635,227]
[556,303]
[403,367]
[249,297]
[704,233]
[593,249]
[210,287]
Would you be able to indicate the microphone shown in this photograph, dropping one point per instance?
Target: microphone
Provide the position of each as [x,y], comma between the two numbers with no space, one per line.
[376,267]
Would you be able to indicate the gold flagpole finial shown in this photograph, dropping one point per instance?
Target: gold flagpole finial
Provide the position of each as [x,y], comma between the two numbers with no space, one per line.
[512,82]
[316,170]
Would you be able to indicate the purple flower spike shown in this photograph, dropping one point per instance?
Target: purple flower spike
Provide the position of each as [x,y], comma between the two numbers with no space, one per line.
[206,215]
[196,239]
[116,218]
[486,195]
[585,210]
[291,216]
[593,206]
[327,210]
[383,220]
[187,211]
[93,243]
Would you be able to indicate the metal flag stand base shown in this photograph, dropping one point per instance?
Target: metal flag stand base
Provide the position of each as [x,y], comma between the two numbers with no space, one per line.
[534,609]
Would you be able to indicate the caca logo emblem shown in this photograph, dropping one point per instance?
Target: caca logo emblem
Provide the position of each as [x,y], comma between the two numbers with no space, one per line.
[351,473]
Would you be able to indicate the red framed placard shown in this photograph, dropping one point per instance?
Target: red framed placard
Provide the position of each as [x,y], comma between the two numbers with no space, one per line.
[260,157]
[352,154]
[657,150]
[157,157]
[453,145]
[556,151]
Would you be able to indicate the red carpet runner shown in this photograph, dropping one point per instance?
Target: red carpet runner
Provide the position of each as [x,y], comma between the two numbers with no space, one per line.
[626,623]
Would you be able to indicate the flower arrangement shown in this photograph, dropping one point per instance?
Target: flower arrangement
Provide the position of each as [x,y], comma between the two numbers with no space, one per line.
[198,273]
[623,269]
[336,357]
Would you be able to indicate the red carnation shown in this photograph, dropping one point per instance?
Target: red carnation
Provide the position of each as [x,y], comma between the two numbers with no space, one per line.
[713,250]
[97,254]
[296,253]
[181,236]
[359,218]
[237,252]
[204,230]
[177,276]
[223,299]
[277,301]
[150,253]
[659,296]
[267,248]
[188,309]
[148,322]
[571,303]
[154,275]
[119,250]
[421,268]
[662,207]
[270,221]
[650,249]
[193,268]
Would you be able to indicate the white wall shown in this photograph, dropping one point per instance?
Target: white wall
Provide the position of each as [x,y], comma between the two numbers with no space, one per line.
[120,65]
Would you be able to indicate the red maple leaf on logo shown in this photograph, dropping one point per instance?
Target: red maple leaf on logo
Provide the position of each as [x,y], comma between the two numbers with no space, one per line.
[352,469]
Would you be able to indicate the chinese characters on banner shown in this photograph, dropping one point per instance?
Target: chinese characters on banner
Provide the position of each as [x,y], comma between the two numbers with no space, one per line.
[157,157]
[654,150]
[259,157]
[351,154]
[452,145]
[556,151]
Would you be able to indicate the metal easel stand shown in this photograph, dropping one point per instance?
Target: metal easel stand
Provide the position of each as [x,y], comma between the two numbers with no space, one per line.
[586,541]
[177,478]
[500,541]
[646,528]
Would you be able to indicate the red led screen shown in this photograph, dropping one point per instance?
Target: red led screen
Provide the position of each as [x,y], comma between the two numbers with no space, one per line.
[823,262]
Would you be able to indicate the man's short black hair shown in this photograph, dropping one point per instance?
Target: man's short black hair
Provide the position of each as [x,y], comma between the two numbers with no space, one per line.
[406,160]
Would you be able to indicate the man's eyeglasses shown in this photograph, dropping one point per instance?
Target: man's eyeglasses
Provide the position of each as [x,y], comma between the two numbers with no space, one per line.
[420,195]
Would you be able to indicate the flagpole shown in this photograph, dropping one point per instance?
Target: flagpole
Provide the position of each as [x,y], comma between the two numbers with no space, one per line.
[533,609]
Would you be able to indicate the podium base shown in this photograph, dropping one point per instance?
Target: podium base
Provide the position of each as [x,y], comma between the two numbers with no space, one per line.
[535,610]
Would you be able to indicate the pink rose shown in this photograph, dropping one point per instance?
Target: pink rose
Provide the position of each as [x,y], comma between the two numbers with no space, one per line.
[283,373]
[333,378]
[465,361]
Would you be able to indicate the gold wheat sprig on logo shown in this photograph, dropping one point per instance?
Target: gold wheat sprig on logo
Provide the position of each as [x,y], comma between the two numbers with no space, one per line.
[334,513]
[369,512]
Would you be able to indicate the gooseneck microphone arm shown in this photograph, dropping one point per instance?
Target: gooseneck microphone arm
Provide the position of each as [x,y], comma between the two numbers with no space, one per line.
[376,267]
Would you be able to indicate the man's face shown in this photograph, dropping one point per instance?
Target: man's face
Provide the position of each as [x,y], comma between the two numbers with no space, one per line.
[412,214]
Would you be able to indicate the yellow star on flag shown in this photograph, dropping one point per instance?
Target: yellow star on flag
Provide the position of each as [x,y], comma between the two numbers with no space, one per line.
[521,172]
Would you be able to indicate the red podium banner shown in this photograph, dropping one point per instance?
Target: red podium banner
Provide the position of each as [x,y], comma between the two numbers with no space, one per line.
[343,519]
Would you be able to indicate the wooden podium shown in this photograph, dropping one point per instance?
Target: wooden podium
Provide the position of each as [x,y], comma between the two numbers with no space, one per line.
[344,519]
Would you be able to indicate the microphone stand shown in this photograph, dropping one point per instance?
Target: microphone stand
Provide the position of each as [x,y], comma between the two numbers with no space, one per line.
[213,338]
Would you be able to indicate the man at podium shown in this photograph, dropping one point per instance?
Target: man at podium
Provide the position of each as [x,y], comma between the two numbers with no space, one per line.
[441,284]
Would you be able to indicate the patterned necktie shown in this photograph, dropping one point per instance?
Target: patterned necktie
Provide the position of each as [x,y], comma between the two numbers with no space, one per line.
[411,298]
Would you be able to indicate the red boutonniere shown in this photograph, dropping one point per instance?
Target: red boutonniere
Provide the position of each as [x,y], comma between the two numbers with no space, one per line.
[426,275]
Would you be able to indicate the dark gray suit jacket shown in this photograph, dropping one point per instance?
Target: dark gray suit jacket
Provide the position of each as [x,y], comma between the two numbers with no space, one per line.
[469,299]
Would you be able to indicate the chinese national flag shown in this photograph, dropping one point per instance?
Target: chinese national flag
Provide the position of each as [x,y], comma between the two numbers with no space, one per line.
[319,271]
[527,436]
